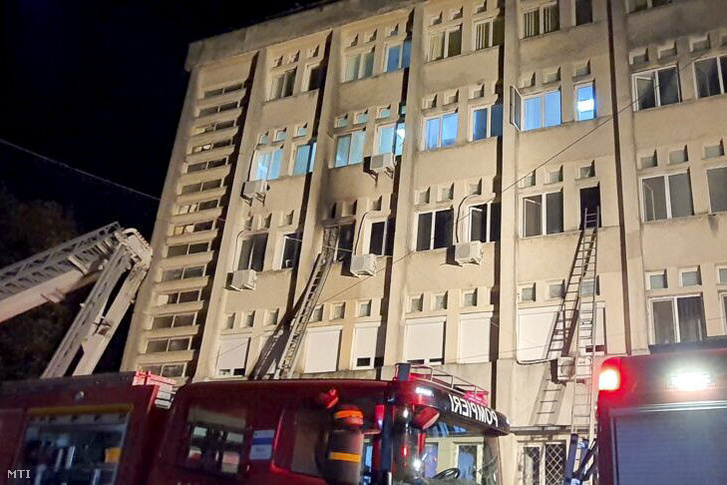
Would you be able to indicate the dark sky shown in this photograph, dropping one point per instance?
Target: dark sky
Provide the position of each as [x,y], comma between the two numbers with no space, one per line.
[98,85]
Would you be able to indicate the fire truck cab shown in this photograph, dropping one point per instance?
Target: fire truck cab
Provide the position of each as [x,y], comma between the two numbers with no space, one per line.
[422,425]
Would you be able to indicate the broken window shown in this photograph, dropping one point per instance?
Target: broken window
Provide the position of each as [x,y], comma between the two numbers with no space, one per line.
[659,87]
[344,247]
[678,319]
[252,252]
[666,197]
[434,230]
[315,77]
[584,12]
[711,76]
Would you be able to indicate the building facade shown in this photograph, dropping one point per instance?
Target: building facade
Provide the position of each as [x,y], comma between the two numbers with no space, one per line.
[501,123]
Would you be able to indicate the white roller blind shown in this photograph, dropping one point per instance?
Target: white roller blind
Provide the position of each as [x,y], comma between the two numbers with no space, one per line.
[533,331]
[474,338]
[365,343]
[424,340]
[233,353]
[322,351]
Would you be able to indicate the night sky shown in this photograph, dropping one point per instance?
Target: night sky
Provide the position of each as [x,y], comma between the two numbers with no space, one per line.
[99,85]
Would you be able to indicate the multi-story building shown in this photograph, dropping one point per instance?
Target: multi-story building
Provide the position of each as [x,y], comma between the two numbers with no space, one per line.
[504,121]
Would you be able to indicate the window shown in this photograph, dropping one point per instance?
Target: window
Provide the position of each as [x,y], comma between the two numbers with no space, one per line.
[469,298]
[165,370]
[381,241]
[223,90]
[168,345]
[678,319]
[445,43]
[714,151]
[416,303]
[183,273]
[487,122]
[543,463]
[283,85]
[365,354]
[678,156]
[391,138]
[317,314]
[554,176]
[440,301]
[556,290]
[344,247]
[690,277]
[338,311]
[667,197]
[317,361]
[584,12]
[179,297]
[659,87]
[441,131]
[359,66]
[484,222]
[364,309]
[483,35]
[717,183]
[542,110]
[269,165]
[424,341]
[198,167]
[657,280]
[711,76]
[722,275]
[539,208]
[398,56]
[305,158]
[174,321]
[541,21]
[585,102]
[341,121]
[434,230]
[360,117]
[315,77]
[527,293]
[474,341]
[248,319]
[201,187]
[232,356]
[271,317]
[648,161]
[184,249]
[291,250]
[252,252]
[350,148]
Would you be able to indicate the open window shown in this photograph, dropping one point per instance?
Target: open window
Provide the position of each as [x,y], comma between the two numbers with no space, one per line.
[434,230]
[252,252]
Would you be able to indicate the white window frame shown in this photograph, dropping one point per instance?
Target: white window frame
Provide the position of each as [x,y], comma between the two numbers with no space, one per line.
[592,84]
[377,138]
[349,134]
[413,322]
[271,152]
[360,74]
[549,284]
[675,312]
[354,357]
[400,45]
[667,192]
[369,230]
[543,467]
[520,289]
[432,228]
[717,278]
[488,132]
[541,95]
[654,77]
[441,128]
[283,77]
[720,76]
[543,213]
[488,222]
[541,19]
[663,274]
[445,43]
[723,307]
[489,42]
[692,269]
[336,306]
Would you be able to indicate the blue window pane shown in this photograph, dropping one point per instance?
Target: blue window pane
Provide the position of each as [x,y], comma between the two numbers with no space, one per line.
[449,129]
[277,165]
[532,114]
[400,135]
[263,163]
[407,54]
[496,120]
[302,156]
[392,64]
[479,130]
[551,102]
[432,133]
[386,139]
[585,103]
[357,147]
[342,148]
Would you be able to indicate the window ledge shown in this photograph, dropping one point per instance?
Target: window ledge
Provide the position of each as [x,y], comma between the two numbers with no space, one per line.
[562,125]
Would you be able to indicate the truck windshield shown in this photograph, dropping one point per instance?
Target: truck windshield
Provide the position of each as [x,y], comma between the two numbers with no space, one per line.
[445,451]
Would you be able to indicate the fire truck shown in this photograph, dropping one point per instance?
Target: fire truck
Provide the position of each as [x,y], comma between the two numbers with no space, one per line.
[424,424]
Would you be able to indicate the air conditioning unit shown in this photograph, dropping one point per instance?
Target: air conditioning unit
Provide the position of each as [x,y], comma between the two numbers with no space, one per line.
[254,188]
[382,163]
[468,252]
[244,279]
[363,264]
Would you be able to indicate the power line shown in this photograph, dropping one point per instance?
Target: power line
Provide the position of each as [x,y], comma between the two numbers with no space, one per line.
[77,170]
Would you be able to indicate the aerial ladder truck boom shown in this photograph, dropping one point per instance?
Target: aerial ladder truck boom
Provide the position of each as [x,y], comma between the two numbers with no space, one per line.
[105,256]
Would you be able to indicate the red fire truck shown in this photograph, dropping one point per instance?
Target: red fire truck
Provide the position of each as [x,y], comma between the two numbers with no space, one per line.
[103,430]
[662,418]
